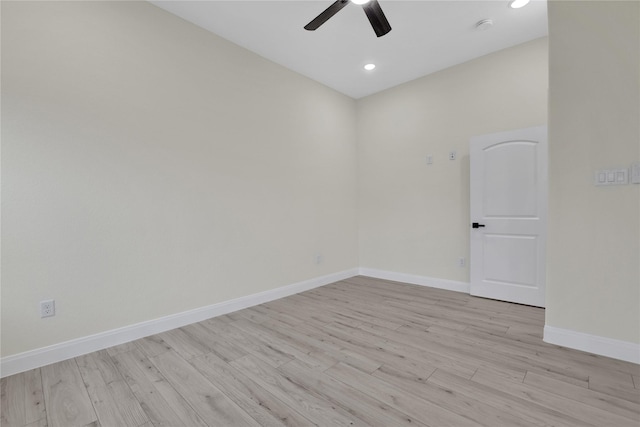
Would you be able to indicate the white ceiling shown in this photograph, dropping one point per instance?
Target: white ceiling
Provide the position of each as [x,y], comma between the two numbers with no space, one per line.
[427,36]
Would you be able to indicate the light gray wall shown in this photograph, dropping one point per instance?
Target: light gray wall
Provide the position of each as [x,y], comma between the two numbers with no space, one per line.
[150,167]
[594,232]
[414,218]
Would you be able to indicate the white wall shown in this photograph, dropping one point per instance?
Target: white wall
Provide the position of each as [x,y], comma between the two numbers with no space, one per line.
[593,282]
[150,167]
[414,218]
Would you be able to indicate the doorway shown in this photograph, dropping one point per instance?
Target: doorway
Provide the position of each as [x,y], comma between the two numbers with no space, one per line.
[508,173]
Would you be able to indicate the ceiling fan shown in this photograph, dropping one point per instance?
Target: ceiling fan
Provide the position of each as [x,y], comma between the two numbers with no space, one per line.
[371,8]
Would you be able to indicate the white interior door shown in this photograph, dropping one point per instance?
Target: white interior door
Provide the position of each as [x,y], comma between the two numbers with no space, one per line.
[509,215]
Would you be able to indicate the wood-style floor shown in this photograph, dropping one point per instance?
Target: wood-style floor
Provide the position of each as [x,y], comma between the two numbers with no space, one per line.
[358,352]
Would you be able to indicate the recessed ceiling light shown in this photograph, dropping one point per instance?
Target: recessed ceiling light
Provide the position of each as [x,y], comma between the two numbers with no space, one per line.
[359,1]
[369,67]
[517,4]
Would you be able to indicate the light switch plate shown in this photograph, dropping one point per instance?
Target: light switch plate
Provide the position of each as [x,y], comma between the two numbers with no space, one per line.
[622,177]
[608,177]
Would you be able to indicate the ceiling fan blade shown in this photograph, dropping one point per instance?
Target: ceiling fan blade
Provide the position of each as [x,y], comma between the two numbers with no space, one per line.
[376,17]
[324,16]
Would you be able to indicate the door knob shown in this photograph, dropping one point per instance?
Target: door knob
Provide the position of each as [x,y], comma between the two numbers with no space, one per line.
[476,225]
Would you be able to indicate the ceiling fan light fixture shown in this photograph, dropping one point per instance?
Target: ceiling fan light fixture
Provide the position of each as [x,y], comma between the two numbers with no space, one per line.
[369,67]
[517,4]
[359,1]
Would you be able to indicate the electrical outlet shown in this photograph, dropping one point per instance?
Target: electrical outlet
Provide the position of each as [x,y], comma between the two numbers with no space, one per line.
[462,262]
[319,259]
[429,159]
[47,308]
[452,155]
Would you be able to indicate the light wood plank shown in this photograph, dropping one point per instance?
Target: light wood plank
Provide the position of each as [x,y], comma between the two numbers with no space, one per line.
[446,397]
[282,345]
[225,349]
[13,402]
[323,348]
[616,384]
[162,403]
[22,401]
[213,406]
[393,352]
[360,405]
[489,353]
[503,399]
[274,314]
[112,398]
[420,350]
[246,393]
[316,354]
[122,348]
[40,423]
[252,315]
[590,397]
[317,410]
[152,346]
[184,344]
[589,415]
[65,396]
[309,314]
[507,373]
[423,410]
[270,355]
[34,409]
[346,305]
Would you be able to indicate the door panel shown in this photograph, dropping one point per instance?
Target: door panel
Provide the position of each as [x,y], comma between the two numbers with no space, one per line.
[520,253]
[517,160]
[509,197]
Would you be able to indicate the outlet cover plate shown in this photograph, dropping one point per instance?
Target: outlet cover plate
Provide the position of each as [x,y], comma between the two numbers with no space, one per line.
[47,308]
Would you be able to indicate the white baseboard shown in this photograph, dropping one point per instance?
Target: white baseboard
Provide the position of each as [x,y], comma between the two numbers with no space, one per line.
[44,356]
[55,353]
[450,285]
[622,350]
